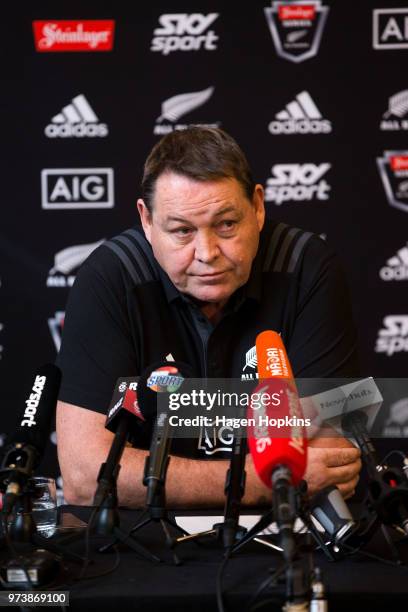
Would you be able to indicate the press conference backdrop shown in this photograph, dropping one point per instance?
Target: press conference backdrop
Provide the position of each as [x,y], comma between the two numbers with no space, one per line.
[316,92]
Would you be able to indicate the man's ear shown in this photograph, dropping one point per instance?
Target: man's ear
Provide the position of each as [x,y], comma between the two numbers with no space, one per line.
[145,218]
[258,200]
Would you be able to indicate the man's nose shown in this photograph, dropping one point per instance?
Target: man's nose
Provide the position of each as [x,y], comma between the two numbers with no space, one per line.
[206,247]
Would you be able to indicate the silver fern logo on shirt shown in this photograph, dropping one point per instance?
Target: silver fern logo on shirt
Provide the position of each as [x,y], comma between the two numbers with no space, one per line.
[179,105]
[249,369]
[67,261]
[395,119]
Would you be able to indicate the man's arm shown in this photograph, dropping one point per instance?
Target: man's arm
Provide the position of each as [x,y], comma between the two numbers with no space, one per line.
[84,443]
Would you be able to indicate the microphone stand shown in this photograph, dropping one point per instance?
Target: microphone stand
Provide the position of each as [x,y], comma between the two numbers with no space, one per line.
[229,530]
[106,497]
[154,479]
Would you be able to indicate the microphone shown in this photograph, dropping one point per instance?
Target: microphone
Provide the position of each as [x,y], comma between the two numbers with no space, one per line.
[123,418]
[159,378]
[387,491]
[28,443]
[126,408]
[277,440]
[331,511]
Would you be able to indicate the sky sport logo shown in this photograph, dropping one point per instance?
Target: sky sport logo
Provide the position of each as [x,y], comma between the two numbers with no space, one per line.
[393,168]
[390,28]
[63,35]
[393,118]
[394,337]
[184,32]
[177,106]
[301,116]
[297,183]
[67,261]
[77,188]
[296,28]
[77,120]
[397,266]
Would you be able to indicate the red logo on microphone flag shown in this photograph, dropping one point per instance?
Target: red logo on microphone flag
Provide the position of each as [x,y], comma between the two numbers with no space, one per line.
[131,404]
[73,35]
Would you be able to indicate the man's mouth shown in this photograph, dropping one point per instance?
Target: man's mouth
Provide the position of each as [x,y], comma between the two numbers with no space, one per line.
[212,275]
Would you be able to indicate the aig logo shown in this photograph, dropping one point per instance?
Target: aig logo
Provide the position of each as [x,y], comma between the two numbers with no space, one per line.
[390,28]
[71,188]
[183,32]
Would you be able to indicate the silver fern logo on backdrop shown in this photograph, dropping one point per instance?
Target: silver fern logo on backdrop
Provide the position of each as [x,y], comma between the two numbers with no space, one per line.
[300,116]
[76,120]
[67,261]
[184,32]
[396,426]
[394,118]
[296,28]
[396,268]
[393,168]
[177,106]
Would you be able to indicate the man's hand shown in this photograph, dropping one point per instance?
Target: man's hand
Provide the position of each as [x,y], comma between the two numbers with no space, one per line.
[332,460]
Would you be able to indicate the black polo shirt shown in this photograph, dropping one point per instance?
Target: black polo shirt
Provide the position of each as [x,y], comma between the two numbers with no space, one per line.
[124,314]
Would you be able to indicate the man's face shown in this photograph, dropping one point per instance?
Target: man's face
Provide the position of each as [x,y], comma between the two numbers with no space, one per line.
[204,235]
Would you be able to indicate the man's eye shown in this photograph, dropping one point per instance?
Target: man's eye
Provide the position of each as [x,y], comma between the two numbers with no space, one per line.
[182,231]
[226,225]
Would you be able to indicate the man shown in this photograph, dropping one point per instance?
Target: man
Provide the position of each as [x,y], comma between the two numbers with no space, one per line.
[205,278]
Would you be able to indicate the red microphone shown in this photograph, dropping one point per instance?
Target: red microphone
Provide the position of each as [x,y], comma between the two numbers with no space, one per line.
[276,435]
[276,431]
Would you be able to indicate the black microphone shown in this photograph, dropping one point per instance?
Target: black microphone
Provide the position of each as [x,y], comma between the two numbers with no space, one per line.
[163,377]
[387,486]
[123,419]
[28,443]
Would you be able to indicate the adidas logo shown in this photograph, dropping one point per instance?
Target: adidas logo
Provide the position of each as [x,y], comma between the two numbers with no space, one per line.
[301,116]
[76,120]
[397,267]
